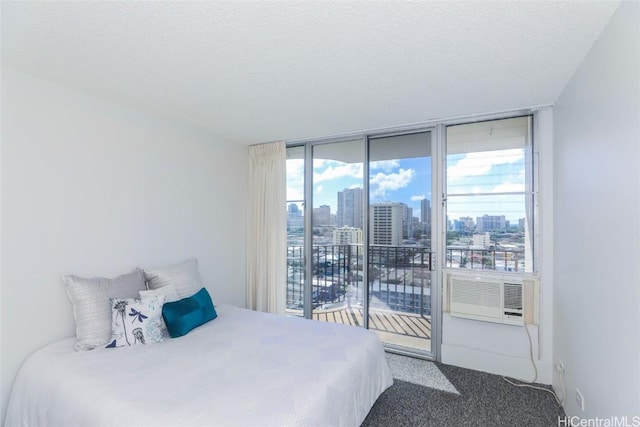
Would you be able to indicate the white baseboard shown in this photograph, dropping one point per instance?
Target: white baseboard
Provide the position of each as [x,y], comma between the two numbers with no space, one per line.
[499,364]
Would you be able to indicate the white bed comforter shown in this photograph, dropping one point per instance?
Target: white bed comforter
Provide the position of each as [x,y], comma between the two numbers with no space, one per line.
[242,369]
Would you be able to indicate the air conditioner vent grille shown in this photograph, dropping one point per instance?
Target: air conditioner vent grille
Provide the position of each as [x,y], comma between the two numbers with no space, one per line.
[477,293]
[485,299]
[512,296]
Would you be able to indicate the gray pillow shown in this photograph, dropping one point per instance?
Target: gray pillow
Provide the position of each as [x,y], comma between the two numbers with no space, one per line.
[184,276]
[91,304]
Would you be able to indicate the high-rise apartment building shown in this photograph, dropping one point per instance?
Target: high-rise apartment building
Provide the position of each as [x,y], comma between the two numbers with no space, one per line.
[295,220]
[407,221]
[385,227]
[464,223]
[491,223]
[350,208]
[425,215]
[322,216]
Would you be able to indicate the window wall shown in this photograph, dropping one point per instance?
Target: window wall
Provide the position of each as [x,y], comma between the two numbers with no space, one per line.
[295,230]
[373,221]
[490,196]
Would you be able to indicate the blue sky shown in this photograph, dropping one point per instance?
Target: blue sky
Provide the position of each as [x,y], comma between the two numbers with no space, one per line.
[409,181]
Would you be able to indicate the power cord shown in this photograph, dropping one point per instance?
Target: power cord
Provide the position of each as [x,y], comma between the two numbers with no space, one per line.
[528,384]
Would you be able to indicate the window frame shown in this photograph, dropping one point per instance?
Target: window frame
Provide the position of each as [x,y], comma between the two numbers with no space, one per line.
[533,193]
[539,133]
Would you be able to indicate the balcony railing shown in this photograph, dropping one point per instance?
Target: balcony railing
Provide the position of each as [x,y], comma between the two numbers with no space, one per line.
[399,276]
[485,259]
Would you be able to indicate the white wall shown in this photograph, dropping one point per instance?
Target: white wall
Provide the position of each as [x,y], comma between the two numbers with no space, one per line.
[95,189]
[504,349]
[597,227]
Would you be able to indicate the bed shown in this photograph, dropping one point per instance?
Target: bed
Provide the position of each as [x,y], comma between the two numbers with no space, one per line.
[244,368]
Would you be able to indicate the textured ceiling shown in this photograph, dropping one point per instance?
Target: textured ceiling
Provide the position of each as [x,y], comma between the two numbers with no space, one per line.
[253,72]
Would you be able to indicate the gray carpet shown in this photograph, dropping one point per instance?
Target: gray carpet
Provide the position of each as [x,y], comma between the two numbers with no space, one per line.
[420,372]
[452,396]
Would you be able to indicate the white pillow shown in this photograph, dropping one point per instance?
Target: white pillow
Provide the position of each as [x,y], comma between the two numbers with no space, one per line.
[135,322]
[184,276]
[169,292]
[91,307]
[170,295]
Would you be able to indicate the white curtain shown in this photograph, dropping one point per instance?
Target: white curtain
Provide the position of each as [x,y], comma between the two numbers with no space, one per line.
[267,228]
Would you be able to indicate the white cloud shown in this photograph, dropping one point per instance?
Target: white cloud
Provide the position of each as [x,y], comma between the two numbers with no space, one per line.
[418,198]
[387,166]
[480,163]
[319,188]
[295,169]
[319,163]
[294,194]
[509,187]
[515,183]
[353,170]
[381,183]
[295,179]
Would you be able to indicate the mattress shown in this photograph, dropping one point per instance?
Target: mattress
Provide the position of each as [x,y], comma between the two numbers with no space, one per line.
[244,368]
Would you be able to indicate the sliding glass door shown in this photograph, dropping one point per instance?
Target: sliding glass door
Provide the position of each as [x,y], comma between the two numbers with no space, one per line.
[359,232]
[399,239]
[337,220]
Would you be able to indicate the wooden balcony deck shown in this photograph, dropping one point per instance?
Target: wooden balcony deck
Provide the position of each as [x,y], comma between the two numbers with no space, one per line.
[403,329]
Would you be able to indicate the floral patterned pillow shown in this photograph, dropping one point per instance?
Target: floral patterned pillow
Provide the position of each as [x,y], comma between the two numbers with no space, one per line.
[135,322]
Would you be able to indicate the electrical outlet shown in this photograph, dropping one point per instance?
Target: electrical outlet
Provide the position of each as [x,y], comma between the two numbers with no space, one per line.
[580,400]
[560,366]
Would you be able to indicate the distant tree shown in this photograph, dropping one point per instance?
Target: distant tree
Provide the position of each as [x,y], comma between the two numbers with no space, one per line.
[452,235]
[487,261]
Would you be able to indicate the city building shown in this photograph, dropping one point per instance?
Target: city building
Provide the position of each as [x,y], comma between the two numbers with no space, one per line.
[347,236]
[407,221]
[483,240]
[491,223]
[322,216]
[386,223]
[425,215]
[464,223]
[350,207]
[295,220]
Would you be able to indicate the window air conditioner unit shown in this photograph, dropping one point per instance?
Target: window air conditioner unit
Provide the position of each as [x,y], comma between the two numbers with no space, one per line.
[487,300]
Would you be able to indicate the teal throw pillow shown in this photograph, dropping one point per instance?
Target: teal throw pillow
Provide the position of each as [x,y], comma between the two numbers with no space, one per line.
[188,313]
